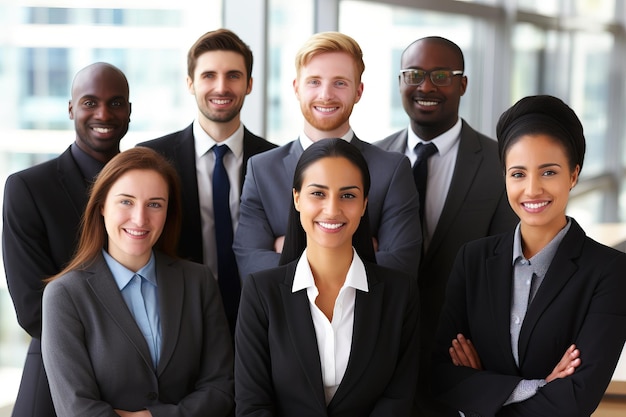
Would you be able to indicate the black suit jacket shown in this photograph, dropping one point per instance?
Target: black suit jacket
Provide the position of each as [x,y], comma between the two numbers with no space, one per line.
[476,206]
[179,149]
[277,364]
[581,301]
[42,210]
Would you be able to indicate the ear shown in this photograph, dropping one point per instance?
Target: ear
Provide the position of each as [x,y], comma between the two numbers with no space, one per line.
[364,207]
[359,93]
[296,200]
[190,86]
[295,88]
[574,179]
[463,84]
[70,109]
[249,89]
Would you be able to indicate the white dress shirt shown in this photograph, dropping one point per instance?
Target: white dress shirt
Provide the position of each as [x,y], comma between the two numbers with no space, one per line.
[205,162]
[440,170]
[334,338]
[305,141]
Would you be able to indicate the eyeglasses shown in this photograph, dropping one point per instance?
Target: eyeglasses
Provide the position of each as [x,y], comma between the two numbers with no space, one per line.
[440,78]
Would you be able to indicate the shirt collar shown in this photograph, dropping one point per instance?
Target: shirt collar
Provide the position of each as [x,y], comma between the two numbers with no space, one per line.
[444,142]
[356,277]
[203,142]
[88,165]
[305,141]
[123,275]
[543,258]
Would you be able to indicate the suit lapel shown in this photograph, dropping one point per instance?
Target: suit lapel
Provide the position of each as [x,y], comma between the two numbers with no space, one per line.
[559,273]
[367,314]
[467,163]
[171,291]
[104,287]
[499,280]
[291,160]
[72,182]
[302,333]
[399,143]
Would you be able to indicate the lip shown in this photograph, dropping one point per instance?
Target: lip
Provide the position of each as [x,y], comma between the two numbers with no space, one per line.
[330,226]
[221,101]
[136,233]
[326,110]
[427,103]
[536,206]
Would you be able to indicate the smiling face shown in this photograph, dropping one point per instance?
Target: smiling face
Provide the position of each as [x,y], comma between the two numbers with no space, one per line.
[134,214]
[220,85]
[331,203]
[100,110]
[538,182]
[433,110]
[327,88]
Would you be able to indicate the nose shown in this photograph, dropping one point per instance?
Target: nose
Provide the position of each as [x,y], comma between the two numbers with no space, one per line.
[103,112]
[139,217]
[332,207]
[533,185]
[325,91]
[220,84]
[427,84]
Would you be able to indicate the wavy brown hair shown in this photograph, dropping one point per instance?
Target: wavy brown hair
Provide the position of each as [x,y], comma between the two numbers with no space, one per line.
[93,235]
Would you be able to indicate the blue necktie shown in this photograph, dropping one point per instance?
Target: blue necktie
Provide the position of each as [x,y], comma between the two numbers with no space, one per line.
[227,273]
[420,172]
[140,313]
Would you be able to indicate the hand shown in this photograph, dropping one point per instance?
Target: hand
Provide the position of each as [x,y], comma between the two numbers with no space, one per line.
[463,353]
[278,244]
[375,244]
[142,413]
[567,365]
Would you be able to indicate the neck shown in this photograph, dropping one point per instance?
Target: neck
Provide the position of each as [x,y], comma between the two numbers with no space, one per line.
[429,132]
[315,134]
[329,265]
[534,238]
[219,131]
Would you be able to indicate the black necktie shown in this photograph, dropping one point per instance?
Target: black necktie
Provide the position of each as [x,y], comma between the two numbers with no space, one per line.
[420,171]
[227,273]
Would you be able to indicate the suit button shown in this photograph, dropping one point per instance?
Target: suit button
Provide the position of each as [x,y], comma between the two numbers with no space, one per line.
[153,396]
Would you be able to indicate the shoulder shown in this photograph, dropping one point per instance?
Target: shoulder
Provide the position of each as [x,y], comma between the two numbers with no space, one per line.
[43,175]
[485,143]
[391,141]
[66,285]
[257,141]
[271,156]
[168,140]
[377,156]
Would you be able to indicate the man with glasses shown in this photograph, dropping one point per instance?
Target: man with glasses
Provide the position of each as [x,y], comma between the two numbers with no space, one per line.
[457,174]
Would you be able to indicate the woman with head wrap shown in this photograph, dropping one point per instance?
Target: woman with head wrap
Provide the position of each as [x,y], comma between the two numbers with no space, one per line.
[534,320]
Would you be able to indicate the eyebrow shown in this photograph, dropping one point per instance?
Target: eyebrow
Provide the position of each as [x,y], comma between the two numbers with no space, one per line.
[132,196]
[542,166]
[325,187]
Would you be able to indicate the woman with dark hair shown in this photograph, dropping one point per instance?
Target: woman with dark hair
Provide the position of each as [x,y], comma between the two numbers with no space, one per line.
[536,316]
[329,332]
[128,330]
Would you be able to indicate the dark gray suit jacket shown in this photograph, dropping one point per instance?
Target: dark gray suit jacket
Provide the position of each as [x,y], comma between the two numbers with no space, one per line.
[476,206]
[277,367]
[581,301]
[267,197]
[97,359]
[179,148]
[42,210]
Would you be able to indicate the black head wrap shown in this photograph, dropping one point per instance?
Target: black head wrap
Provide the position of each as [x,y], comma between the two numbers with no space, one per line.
[542,114]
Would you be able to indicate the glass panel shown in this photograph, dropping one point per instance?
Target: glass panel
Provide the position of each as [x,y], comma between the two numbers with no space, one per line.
[290,25]
[589,93]
[601,9]
[400,26]
[547,7]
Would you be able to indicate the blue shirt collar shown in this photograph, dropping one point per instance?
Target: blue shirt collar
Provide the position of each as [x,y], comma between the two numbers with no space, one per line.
[123,275]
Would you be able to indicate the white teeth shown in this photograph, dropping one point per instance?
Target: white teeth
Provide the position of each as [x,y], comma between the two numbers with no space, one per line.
[536,205]
[102,129]
[136,232]
[326,109]
[221,101]
[330,225]
[427,103]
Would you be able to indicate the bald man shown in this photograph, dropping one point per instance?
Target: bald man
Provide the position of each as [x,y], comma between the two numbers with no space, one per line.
[42,210]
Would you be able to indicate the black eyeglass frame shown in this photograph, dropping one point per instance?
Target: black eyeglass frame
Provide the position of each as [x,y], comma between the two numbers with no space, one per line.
[451,74]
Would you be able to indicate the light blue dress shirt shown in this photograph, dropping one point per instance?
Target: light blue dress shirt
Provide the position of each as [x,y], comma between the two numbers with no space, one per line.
[139,291]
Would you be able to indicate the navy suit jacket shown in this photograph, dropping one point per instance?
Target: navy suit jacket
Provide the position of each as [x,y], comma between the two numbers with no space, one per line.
[42,209]
[581,301]
[277,364]
[476,206]
[179,148]
[267,197]
[97,359]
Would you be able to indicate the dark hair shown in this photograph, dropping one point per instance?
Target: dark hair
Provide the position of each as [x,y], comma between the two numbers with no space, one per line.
[542,114]
[442,41]
[219,40]
[295,238]
[93,235]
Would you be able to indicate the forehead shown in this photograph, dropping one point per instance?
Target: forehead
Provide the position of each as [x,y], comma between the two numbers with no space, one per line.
[139,181]
[430,54]
[101,83]
[333,170]
[540,148]
[220,61]
[331,65]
